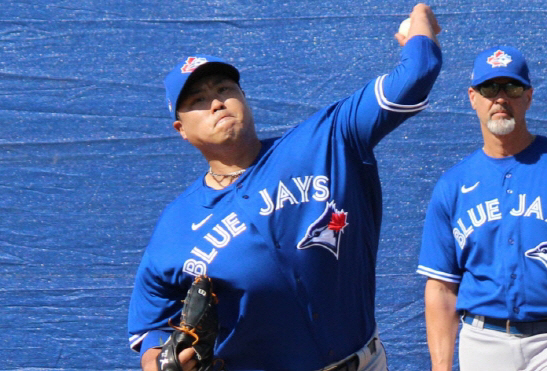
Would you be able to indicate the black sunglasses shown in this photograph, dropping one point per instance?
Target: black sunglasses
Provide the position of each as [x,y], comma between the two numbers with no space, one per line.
[492,89]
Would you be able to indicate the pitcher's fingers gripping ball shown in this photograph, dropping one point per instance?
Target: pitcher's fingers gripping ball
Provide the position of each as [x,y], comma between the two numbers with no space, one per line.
[404,27]
[198,328]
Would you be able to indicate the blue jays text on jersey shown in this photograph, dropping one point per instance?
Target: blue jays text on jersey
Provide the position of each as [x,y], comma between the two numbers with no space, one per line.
[291,245]
[486,229]
[230,226]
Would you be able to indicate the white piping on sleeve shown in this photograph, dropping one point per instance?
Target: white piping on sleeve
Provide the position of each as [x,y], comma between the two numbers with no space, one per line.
[438,274]
[136,340]
[394,107]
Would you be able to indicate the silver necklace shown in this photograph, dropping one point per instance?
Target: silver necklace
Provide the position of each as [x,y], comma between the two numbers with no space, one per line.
[229,175]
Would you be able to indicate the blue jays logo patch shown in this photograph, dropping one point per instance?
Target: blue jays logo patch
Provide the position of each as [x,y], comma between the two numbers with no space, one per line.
[192,63]
[499,59]
[326,230]
[539,252]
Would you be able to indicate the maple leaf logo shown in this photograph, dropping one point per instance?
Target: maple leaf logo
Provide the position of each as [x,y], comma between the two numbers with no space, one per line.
[191,64]
[337,222]
[499,59]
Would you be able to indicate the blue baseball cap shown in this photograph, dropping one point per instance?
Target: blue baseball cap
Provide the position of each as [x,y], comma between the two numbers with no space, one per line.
[500,61]
[190,70]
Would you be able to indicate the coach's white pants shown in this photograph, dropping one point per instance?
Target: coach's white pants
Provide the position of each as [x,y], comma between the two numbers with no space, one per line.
[489,350]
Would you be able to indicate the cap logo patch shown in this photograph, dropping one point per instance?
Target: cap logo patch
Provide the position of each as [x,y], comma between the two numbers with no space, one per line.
[499,59]
[191,64]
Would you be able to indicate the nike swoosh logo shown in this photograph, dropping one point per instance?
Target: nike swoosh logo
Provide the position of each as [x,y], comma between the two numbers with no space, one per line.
[197,226]
[469,189]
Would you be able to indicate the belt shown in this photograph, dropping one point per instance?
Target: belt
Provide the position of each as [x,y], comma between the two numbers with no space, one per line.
[352,362]
[508,326]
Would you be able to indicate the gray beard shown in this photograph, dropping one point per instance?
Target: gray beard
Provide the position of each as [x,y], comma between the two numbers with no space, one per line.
[501,126]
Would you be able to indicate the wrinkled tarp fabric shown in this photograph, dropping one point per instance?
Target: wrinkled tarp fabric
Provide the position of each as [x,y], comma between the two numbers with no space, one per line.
[89,159]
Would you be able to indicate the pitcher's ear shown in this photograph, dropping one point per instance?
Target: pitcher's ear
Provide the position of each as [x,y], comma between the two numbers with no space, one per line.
[177,125]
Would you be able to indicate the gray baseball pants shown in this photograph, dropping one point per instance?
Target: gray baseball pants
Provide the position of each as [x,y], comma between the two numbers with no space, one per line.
[483,349]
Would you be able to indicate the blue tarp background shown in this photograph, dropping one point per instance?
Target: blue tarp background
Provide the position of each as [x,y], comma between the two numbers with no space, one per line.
[89,159]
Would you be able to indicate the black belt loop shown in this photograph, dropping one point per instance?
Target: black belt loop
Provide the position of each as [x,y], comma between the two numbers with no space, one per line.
[372,346]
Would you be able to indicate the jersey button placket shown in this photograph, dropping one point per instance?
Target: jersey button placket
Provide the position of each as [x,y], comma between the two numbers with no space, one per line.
[239,186]
[510,255]
[507,177]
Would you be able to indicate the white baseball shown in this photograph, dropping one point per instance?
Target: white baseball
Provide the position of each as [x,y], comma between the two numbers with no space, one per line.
[404,26]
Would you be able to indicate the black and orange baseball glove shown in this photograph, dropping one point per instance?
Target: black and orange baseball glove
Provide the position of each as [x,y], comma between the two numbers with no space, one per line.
[198,328]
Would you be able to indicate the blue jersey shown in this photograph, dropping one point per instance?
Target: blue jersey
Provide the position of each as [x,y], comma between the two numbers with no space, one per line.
[291,245]
[486,229]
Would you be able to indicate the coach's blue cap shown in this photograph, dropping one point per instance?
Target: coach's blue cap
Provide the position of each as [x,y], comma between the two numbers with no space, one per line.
[500,61]
[190,70]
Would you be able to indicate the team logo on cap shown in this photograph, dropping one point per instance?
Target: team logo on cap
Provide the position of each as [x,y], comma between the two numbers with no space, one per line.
[499,59]
[191,64]
[326,230]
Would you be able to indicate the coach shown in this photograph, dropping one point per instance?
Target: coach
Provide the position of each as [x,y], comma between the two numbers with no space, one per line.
[484,244]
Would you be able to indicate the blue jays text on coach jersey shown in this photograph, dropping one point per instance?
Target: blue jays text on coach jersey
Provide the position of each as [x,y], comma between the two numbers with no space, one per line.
[291,245]
[486,229]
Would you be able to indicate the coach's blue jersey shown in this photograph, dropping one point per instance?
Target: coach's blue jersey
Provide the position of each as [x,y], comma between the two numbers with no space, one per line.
[291,245]
[486,229]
